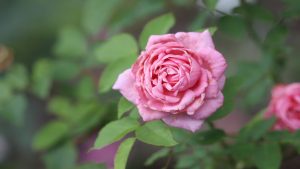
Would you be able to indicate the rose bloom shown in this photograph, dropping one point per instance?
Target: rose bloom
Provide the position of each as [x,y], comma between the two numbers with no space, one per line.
[285,106]
[178,78]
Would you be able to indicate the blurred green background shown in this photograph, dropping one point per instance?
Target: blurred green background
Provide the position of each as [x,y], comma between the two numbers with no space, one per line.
[49,71]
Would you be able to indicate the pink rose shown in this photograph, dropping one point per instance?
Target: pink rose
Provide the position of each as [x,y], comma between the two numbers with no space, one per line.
[178,78]
[285,106]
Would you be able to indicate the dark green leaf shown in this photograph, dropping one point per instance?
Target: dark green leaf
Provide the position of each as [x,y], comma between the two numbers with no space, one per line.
[157,26]
[267,156]
[91,166]
[123,153]
[155,133]
[157,155]
[50,135]
[233,26]
[63,157]
[123,106]
[114,131]
[210,136]
[229,91]
[118,47]
[255,129]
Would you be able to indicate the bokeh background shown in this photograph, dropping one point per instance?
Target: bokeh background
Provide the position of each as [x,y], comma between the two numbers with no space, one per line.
[49,73]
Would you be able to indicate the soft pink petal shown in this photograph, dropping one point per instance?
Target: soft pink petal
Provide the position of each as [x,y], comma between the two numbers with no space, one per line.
[148,114]
[195,40]
[221,82]
[214,60]
[125,84]
[183,121]
[209,107]
[155,39]
[188,98]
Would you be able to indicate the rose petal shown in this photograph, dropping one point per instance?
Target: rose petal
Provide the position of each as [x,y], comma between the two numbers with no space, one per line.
[209,107]
[214,61]
[148,114]
[125,84]
[221,82]
[183,121]
[155,39]
[195,40]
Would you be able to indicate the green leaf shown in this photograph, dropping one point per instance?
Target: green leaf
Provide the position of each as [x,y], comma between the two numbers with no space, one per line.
[242,151]
[210,4]
[64,70]
[118,47]
[114,131]
[50,135]
[42,78]
[255,129]
[16,109]
[233,26]
[123,106]
[61,107]
[123,153]
[85,88]
[186,161]
[211,30]
[210,136]
[91,166]
[71,43]
[155,133]
[17,77]
[267,156]
[111,73]
[63,157]
[157,26]
[157,155]
[97,13]
[229,91]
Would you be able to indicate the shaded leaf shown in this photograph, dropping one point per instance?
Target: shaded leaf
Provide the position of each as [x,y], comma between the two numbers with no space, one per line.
[210,136]
[123,106]
[157,155]
[49,135]
[267,156]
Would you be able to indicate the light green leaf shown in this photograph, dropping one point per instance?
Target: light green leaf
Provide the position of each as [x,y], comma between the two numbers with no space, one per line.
[123,106]
[42,78]
[71,43]
[157,26]
[211,30]
[123,153]
[97,13]
[267,156]
[155,133]
[114,131]
[17,77]
[85,88]
[118,47]
[61,107]
[157,155]
[210,4]
[63,157]
[16,109]
[50,135]
[111,73]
